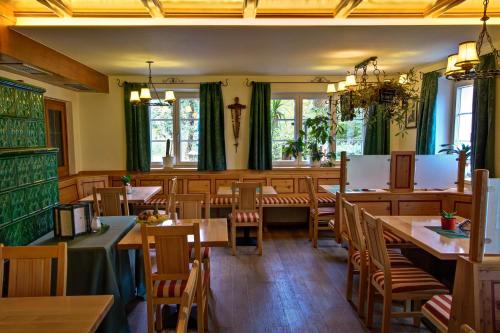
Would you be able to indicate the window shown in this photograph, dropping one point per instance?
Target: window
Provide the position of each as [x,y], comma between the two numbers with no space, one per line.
[179,123]
[351,135]
[56,133]
[463,119]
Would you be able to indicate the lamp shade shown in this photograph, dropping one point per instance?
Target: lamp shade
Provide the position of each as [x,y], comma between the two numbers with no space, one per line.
[341,86]
[403,79]
[451,67]
[145,94]
[467,55]
[169,96]
[134,96]
[350,80]
[330,89]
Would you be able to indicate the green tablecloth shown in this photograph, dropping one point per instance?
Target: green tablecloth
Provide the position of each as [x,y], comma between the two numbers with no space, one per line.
[96,267]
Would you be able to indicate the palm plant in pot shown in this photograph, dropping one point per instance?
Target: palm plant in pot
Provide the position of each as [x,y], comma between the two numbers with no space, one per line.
[294,148]
[319,131]
[168,159]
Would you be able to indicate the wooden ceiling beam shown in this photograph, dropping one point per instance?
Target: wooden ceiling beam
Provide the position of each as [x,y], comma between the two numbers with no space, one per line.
[250,8]
[345,8]
[7,14]
[59,7]
[154,8]
[440,7]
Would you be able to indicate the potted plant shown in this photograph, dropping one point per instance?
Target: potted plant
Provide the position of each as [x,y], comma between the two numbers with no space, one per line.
[127,182]
[318,133]
[294,147]
[448,220]
[450,148]
[168,159]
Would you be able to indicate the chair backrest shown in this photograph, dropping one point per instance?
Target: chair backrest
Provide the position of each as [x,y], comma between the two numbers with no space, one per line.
[377,249]
[313,200]
[170,208]
[172,250]
[111,203]
[466,329]
[247,196]
[354,228]
[188,298]
[30,270]
[191,206]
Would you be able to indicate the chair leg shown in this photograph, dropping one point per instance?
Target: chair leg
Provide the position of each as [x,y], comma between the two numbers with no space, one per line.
[159,319]
[371,300]
[386,316]
[416,307]
[315,232]
[259,239]
[362,290]
[310,222]
[233,239]
[200,315]
[150,314]
[350,277]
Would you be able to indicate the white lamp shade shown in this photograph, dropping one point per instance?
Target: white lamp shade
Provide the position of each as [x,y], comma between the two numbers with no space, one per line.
[451,67]
[467,55]
[169,96]
[403,79]
[145,94]
[341,86]
[350,80]
[134,96]
[330,89]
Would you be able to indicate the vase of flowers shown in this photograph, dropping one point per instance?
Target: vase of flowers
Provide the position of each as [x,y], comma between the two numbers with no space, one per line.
[127,182]
[448,220]
[168,159]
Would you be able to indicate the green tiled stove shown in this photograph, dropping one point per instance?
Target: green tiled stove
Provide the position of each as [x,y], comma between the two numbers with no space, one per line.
[28,170]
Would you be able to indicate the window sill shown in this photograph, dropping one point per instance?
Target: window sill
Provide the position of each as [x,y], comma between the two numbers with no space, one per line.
[184,167]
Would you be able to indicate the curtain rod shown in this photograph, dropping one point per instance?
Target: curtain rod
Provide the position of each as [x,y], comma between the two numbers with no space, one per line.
[172,81]
[317,79]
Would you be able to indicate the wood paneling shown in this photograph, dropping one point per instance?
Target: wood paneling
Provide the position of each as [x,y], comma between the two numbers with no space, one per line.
[263,181]
[402,171]
[463,208]
[153,182]
[224,182]
[419,208]
[302,185]
[68,194]
[198,186]
[283,185]
[86,185]
[376,207]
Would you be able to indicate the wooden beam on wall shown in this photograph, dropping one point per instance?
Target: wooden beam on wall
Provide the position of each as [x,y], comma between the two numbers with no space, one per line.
[154,8]
[59,7]
[7,14]
[440,7]
[26,50]
[345,7]
[250,8]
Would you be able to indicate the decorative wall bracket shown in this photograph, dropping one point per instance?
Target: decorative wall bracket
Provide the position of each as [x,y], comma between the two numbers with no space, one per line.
[236,119]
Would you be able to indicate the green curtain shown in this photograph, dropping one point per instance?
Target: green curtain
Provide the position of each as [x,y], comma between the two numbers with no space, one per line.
[211,144]
[426,118]
[483,119]
[377,133]
[260,155]
[137,131]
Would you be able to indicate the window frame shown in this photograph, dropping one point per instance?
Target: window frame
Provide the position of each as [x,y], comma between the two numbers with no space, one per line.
[458,85]
[58,106]
[176,130]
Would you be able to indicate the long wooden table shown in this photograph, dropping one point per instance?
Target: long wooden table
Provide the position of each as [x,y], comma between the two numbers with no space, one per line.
[76,314]
[139,195]
[413,229]
[213,233]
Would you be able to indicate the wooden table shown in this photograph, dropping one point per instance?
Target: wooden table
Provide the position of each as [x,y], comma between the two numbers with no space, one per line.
[53,314]
[266,190]
[213,233]
[413,229]
[139,195]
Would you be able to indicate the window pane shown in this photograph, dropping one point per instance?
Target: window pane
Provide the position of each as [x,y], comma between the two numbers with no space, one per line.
[311,108]
[283,125]
[161,112]
[463,115]
[465,94]
[162,130]
[56,134]
[157,151]
[350,135]
[188,126]
[464,127]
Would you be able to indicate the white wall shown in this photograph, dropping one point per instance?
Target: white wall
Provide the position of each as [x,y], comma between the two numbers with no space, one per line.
[72,109]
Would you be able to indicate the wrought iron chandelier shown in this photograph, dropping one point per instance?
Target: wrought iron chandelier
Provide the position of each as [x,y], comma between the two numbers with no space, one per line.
[464,64]
[145,97]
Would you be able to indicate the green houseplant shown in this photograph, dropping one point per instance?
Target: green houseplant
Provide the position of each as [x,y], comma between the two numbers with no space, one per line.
[319,131]
[294,147]
[450,148]
[448,220]
[127,182]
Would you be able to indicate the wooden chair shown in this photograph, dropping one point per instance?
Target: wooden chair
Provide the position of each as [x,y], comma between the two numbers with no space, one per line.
[167,284]
[111,203]
[246,211]
[394,283]
[188,298]
[358,259]
[171,208]
[466,329]
[30,270]
[319,217]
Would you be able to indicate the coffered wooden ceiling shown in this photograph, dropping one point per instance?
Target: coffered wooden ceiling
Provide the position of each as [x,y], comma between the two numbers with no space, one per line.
[250,8]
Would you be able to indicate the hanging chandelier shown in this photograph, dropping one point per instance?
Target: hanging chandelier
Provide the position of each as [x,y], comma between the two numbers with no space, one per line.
[144,96]
[464,64]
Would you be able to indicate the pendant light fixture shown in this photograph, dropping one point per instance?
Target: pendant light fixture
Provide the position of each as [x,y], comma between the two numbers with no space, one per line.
[145,96]
[463,65]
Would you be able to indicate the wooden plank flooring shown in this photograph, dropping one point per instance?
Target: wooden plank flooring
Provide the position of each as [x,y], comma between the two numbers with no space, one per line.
[291,288]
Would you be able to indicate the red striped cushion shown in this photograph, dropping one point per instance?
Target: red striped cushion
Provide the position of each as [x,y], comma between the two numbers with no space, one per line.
[221,200]
[157,201]
[205,252]
[391,238]
[410,279]
[245,217]
[439,307]
[395,257]
[173,288]
[286,200]
[326,199]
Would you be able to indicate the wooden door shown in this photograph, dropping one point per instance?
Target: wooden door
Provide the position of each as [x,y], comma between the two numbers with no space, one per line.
[56,133]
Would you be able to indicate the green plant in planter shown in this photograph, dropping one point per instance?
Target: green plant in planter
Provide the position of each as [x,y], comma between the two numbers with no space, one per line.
[319,131]
[448,215]
[126,180]
[295,147]
[450,148]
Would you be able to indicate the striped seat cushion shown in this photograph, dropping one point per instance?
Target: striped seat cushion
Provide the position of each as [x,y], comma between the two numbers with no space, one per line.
[286,200]
[324,211]
[410,280]
[439,307]
[205,252]
[157,201]
[221,201]
[326,199]
[245,217]
[392,239]
[395,257]
[173,288]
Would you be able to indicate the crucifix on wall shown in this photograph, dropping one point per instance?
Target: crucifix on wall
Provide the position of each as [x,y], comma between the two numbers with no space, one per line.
[236,117]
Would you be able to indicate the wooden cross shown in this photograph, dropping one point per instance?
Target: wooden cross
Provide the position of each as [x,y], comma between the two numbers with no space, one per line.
[236,117]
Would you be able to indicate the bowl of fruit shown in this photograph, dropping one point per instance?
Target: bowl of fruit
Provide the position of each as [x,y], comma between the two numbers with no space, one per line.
[150,216]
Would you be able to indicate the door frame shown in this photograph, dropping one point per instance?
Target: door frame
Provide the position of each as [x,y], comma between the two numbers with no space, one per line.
[60,106]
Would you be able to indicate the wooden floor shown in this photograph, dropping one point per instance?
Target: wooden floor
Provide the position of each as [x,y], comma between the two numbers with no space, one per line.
[291,288]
